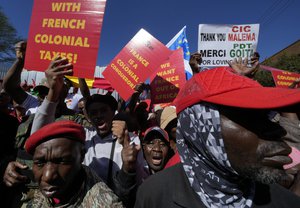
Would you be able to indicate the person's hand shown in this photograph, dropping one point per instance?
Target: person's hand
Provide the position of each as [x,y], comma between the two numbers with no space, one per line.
[55,73]
[118,130]
[241,66]
[12,177]
[129,154]
[195,61]
[20,49]
[139,87]
[255,57]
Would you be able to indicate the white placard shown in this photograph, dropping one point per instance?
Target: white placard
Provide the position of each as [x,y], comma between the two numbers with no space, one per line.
[221,43]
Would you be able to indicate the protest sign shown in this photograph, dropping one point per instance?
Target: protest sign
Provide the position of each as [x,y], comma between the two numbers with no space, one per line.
[67,29]
[168,79]
[283,78]
[135,63]
[221,43]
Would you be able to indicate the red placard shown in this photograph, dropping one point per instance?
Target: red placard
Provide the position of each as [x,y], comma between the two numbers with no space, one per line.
[168,79]
[135,63]
[70,29]
[283,78]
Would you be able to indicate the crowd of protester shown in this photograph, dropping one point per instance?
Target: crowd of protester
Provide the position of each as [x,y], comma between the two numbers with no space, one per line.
[225,141]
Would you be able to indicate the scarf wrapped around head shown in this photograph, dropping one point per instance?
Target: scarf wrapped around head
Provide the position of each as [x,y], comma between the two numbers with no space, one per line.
[205,161]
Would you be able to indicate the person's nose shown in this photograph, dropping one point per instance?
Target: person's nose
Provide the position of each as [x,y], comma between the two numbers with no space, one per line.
[50,172]
[98,116]
[156,146]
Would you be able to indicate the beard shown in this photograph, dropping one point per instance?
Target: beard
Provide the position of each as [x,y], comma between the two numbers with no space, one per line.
[262,173]
[265,175]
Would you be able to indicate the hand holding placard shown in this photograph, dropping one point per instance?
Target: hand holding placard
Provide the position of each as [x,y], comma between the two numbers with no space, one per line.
[55,73]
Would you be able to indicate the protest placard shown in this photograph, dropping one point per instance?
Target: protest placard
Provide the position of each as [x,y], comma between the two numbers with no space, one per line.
[283,78]
[66,29]
[168,79]
[135,63]
[221,43]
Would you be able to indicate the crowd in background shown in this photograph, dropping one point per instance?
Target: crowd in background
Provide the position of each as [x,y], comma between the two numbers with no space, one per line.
[215,146]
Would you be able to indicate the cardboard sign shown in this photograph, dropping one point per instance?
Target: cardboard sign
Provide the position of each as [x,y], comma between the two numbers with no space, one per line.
[135,63]
[284,79]
[168,79]
[67,29]
[221,43]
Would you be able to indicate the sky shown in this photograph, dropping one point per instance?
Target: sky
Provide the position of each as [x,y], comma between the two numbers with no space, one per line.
[278,19]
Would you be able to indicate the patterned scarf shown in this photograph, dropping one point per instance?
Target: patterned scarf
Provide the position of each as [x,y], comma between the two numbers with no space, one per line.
[205,161]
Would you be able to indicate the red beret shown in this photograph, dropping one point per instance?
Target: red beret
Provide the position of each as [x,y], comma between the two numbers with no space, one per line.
[59,129]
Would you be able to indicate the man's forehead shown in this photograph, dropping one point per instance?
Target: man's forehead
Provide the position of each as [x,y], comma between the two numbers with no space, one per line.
[154,135]
[59,141]
[98,104]
[56,145]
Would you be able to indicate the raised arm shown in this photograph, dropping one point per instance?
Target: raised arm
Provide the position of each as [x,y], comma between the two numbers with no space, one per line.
[57,69]
[84,89]
[125,183]
[135,96]
[12,79]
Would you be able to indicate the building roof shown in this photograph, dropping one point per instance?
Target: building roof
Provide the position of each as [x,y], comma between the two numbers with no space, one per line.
[292,49]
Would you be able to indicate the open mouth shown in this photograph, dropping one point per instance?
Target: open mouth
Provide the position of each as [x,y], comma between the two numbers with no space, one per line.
[157,160]
[101,125]
[50,192]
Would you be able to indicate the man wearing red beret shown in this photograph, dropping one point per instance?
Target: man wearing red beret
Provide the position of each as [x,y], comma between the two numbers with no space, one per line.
[111,151]
[58,152]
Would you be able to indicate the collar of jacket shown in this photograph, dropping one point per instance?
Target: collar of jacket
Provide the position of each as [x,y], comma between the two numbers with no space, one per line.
[184,196]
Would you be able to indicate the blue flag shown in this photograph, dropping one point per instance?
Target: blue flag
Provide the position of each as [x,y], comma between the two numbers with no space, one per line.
[180,41]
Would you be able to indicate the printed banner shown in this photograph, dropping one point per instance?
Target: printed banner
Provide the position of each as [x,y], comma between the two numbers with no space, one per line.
[221,43]
[135,63]
[67,29]
[284,79]
[168,79]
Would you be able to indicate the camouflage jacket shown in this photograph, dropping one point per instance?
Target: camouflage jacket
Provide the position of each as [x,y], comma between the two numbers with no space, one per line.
[93,193]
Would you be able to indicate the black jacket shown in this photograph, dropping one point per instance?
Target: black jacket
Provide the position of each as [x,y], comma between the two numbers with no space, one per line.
[171,188]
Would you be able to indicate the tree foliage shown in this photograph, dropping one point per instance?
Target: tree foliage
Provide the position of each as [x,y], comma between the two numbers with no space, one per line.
[264,77]
[289,63]
[8,37]
[286,62]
